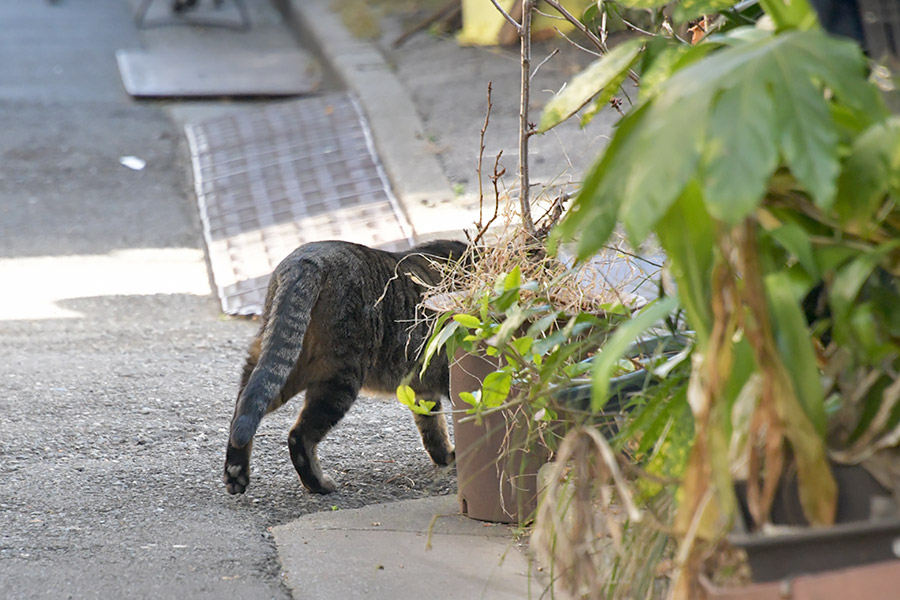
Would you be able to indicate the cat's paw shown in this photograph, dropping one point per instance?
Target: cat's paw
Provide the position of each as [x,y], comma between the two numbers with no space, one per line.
[443,457]
[324,485]
[237,478]
[237,469]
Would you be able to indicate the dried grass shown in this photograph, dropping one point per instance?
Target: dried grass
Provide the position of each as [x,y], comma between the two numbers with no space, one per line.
[590,534]
[609,279]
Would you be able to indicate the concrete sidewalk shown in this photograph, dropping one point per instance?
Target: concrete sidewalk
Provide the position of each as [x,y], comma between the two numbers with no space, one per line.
[404,550]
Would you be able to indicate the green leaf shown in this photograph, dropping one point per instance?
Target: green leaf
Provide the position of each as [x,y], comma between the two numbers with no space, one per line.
[407,397]
[515,316]
[870,171]
[469,398]
[578,369]
[790,14]
[655,179]
[602,99]
[594,212]
[543,324]
[795,240]
[505,300]
[688,235]
[575,326]
[642,3]
[495,388]
[469,321]
[847,283]
[795,348]
[739,36]
[513,280]
[666,59]
[437,341]
[691,9]
[766,97]
[808,136]
[588,83]
[523,345]
[864,325]
[741,152]
[605,362]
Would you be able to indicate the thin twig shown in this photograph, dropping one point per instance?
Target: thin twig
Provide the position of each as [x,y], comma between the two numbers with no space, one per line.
[576,44]
[549,56]
[638,29]
[495,178]
[601,45]
[506,16]
[635,256]
[487,116]
[579,26]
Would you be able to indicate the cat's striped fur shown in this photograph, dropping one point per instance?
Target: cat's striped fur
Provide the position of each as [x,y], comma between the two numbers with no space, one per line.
[338,317]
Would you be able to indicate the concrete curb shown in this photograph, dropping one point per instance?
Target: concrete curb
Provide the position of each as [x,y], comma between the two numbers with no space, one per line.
[418,180]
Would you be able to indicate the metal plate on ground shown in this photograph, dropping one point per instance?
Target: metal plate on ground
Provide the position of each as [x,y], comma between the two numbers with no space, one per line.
[199,73]
[272,178]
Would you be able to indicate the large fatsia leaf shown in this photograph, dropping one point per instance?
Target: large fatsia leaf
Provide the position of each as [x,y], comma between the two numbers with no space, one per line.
[603,72]
[664,157]
[741,150]
[786,72]
[808,138]
[742,110]
[661,58]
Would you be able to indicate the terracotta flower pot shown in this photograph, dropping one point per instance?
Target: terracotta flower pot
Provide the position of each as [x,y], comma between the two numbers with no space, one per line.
[496,469]
[880,580]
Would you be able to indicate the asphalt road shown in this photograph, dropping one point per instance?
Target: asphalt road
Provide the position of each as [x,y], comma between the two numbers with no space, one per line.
[117,372]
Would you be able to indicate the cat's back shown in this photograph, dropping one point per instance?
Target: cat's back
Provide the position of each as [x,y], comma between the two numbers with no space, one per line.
[337,254]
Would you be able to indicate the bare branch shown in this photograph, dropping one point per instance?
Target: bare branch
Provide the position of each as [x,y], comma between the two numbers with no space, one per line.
[506,16]
[578,25]
[495,178]
[601,45]
[576,44]
[487,117]
[524,128]
[549,56]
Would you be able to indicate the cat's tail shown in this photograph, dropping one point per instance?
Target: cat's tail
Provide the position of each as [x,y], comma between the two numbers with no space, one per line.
[295,294]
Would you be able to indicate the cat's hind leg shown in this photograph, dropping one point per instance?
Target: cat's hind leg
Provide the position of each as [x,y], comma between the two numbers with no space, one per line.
[435,437]
[237,458]
[326,404]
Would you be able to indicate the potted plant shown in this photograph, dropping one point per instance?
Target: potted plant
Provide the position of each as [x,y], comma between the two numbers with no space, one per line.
[766,165]
[516,335]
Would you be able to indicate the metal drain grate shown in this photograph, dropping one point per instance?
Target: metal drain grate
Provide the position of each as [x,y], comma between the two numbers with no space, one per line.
[273,178]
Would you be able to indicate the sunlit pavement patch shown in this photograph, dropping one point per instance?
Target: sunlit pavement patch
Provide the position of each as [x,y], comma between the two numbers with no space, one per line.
[43,283]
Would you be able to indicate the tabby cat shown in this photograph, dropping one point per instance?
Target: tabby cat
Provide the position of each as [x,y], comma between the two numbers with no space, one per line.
[339,317]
